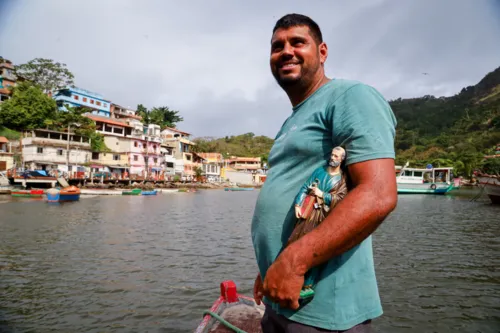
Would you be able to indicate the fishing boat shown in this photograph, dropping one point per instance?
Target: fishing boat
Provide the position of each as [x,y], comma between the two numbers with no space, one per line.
[238,189]
[66,194]
[232,312]
[27,193]
[491,185]
[70,193]
[424,181]
[154,192]
[135,191]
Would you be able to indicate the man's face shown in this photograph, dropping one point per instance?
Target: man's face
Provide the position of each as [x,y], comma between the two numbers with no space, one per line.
[295,56]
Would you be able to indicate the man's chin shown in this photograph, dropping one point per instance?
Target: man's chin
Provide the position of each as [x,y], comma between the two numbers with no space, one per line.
[288,81]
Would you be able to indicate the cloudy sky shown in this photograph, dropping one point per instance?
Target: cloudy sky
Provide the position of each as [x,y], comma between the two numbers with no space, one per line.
[209,59]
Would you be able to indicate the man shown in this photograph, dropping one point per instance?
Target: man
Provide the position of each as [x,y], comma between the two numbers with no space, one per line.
[326,113]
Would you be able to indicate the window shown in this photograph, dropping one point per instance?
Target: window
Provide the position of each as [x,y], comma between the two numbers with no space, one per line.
[91,101]
[116,157]
[39,150]
[155,160]
[59,152]
[135,143]
[154,147]
[76,97]
[105,105]
[136,158]
[85,99]
[98,103]
[95,156]
[417,173]
[188,157]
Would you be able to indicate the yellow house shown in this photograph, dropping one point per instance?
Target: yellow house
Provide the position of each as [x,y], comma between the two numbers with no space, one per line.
[6,155]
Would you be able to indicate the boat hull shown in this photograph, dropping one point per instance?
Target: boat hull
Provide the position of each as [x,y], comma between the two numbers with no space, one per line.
[149,192]
[238,189]
[69,197]
[491,187]
[424,188]
[27,193]
[135,191]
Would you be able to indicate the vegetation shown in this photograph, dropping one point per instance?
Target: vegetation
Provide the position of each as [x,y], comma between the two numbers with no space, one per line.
[161,115]
[45,73]
[247,145]
[9,134]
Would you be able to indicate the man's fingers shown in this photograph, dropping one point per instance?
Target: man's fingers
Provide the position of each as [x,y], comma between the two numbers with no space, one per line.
[294,304]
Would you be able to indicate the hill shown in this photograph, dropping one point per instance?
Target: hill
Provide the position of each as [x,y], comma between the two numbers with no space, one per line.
[453,131]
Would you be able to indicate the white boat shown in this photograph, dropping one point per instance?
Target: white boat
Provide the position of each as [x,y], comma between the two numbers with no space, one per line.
[424,181]
[491,186]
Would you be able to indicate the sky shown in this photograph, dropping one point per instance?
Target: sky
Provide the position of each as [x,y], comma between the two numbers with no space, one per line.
[210,59]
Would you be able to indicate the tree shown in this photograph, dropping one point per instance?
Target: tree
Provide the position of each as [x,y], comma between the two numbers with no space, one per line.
[45,73]
[29,108]
[144,113]
[198,173]
[163,116]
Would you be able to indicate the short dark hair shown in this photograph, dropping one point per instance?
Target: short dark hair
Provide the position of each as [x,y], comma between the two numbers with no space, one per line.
[294,20]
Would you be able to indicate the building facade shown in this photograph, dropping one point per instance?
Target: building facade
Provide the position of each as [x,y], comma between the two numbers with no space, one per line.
[47,150]
[6,155]
[75,97]
[212,166]
[7,79]
[181,145]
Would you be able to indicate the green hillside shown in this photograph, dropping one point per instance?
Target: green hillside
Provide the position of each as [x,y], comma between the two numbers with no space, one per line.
[453,131]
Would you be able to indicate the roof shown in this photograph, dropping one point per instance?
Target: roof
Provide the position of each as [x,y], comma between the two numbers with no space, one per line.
[247,159]
[3,139]
[176,130]
[107,120]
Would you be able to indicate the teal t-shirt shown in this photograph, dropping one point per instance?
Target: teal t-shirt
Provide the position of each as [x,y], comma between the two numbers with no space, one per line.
[340,113]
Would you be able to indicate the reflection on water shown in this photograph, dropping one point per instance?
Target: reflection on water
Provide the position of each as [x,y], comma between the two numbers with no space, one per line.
[153,264]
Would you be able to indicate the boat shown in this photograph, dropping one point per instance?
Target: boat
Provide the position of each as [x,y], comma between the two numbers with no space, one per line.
[154,192]
[135,191]
[188,190]
[238,189]
[27,193]
[70,193]
[491,185]
[424,181]
[232,312]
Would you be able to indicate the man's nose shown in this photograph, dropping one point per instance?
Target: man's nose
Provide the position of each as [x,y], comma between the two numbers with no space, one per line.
[287,50]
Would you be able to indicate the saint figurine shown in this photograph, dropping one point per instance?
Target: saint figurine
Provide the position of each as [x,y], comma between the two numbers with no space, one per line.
[319,194]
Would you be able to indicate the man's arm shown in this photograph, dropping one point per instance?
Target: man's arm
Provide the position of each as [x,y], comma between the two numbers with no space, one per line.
[355,218]
[352,220]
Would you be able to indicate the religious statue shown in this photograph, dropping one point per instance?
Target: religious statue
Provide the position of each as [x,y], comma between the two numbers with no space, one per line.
[316,198]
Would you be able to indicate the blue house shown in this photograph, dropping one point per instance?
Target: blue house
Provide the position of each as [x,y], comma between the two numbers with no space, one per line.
[75,97]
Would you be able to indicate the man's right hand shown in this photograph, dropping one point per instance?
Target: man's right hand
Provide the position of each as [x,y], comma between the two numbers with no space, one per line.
[258,290]
[297,212]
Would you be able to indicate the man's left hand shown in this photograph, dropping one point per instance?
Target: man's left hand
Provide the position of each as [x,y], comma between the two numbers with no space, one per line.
[282,283]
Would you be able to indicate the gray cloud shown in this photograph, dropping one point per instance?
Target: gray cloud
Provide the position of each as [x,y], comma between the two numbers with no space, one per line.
[210,59]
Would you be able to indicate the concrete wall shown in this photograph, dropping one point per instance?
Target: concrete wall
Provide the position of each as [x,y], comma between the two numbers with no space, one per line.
[239,177]
[7,157]
[54,155]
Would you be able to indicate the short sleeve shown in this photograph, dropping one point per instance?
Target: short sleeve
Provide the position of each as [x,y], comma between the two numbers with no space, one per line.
[364,124]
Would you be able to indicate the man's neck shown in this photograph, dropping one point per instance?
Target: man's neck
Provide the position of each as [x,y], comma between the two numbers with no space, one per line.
[299,94]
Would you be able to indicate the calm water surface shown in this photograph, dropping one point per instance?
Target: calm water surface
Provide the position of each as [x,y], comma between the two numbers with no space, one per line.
[153,264]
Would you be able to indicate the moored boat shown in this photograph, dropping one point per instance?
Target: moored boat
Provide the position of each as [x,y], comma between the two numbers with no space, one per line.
[232,312]
[70,193]
[491,186]
[424,181]
[135,191]
[154,192]
[238,189]
[26,193]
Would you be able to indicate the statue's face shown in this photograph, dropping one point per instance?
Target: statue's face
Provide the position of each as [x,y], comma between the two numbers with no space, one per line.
[336,156]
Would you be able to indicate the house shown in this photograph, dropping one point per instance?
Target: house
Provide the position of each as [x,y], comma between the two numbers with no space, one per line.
[6,155]
[168,160]
[7,79]
[212,166]
[48,150]
[244,164]
[121,112]
[182,146]
[75,97]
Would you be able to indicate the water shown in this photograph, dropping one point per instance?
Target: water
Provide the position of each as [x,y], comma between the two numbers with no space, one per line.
[153,264]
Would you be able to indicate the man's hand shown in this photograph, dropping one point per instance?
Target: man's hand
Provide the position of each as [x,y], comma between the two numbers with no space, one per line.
[283,283]
[297,212]
[258,289]
[317,192]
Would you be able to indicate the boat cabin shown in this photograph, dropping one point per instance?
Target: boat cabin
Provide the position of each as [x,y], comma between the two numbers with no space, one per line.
[423,176]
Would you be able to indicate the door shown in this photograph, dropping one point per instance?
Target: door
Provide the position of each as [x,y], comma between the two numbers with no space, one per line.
[3,165]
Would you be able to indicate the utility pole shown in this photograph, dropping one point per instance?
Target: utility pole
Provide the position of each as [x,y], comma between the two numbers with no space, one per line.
[67,149]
